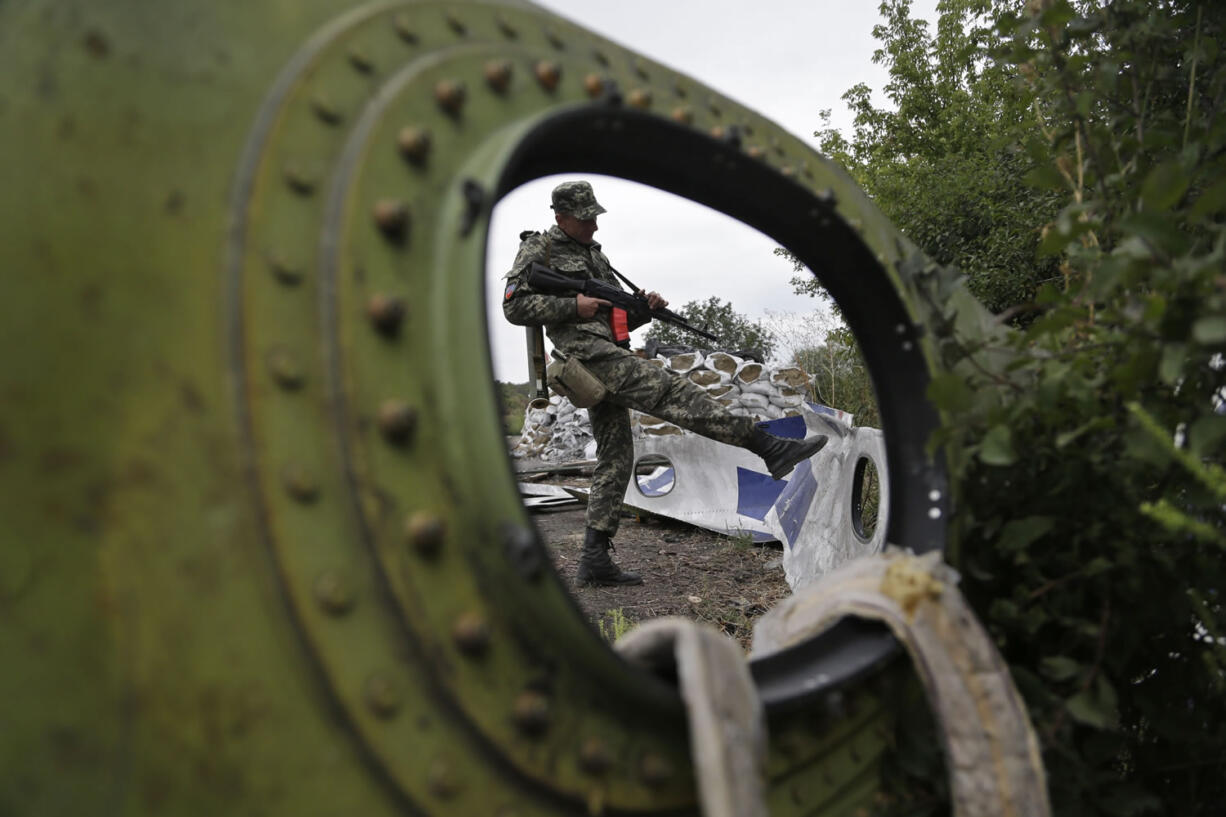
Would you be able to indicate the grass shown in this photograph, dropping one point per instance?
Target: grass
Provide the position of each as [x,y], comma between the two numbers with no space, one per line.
[742,541]
[619,625]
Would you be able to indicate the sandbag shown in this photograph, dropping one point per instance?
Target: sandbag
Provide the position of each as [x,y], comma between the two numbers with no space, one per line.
[787,400]
[761,386]
[791,376]
[749,372]
[754,401]
[686,362]
[708,377]
[722,362]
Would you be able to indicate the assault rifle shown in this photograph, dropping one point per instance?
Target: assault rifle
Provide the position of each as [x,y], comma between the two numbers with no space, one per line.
[548,280]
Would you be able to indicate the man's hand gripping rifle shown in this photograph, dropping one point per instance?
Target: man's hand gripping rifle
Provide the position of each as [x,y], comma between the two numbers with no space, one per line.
[547,280]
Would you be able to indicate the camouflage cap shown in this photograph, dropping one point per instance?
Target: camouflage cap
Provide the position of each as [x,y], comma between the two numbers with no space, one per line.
[576,199]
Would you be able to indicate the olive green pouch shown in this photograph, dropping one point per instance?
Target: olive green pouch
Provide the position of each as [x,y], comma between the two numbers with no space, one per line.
[571,379]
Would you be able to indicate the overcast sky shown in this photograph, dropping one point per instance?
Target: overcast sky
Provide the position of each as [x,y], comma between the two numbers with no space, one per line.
[786,59]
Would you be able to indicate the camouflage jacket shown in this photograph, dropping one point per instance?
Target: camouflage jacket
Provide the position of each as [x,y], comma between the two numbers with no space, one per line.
[522,306]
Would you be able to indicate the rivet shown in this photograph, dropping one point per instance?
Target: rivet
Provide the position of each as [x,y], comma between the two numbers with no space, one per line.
[718,132]
[283,270]
[639,98]
[826,196]
[640,70]
[856,224]
[683,115]
[397,421]
[285,368]
[386,313]
[554,39]
[531,713]
[414,144]
[298,180]
[594,757]
[498,75]
[509,31]
[392,218]
[333,593]
[601,58]
[594,85]
[788,171]
[425,533]
[450,95]
[382,695]
[361,61]
[325,110]
[523,551]
[456,25]
[755,152]
[299,484]
[471,634]
[715,110]
[680,90]
[404,28]
[548,74]
[732,136]
[442,780]
[656,769]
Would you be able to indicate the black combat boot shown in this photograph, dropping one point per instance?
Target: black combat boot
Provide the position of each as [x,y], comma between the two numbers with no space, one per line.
[780,453]
[595,566]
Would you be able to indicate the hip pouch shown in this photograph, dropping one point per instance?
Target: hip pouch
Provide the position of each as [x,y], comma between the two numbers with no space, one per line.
[571,379]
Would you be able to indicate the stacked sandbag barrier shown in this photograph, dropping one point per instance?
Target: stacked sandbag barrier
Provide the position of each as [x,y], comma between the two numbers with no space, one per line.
[555,431]
[747,387]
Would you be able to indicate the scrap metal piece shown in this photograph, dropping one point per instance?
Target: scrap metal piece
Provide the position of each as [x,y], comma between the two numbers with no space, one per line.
[812,511]
[727,722]
[540,498]
[990,746]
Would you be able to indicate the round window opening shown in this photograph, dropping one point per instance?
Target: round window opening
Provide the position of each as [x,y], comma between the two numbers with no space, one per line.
[865,498]
[654,475]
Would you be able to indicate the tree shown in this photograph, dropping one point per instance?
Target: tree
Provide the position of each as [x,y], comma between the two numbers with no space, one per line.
[948,162]
[1087,445]
[1089,449]
[735,331]
[840,376]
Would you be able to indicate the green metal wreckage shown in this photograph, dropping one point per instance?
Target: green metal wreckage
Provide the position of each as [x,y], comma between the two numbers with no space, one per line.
[256,555]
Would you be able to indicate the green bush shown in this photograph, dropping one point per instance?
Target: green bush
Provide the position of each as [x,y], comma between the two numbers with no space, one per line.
[1087,443]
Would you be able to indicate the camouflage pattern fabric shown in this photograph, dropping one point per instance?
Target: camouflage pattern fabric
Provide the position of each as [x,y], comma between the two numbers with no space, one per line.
[614,464]
[522,306]
[659,393]
[576,199]
[632,381]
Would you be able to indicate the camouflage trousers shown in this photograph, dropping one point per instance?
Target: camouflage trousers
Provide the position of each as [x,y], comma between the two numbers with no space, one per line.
[634,383]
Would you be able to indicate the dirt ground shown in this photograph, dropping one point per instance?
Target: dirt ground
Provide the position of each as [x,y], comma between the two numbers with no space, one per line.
[687,571]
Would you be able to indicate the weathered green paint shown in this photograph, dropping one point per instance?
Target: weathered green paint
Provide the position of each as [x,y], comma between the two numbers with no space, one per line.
[208,599]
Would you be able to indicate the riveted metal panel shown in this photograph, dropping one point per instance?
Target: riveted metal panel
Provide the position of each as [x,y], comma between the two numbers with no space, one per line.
[263,551]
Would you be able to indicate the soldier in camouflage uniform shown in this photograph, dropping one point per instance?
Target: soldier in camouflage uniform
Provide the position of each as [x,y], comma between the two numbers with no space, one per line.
[580,327]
